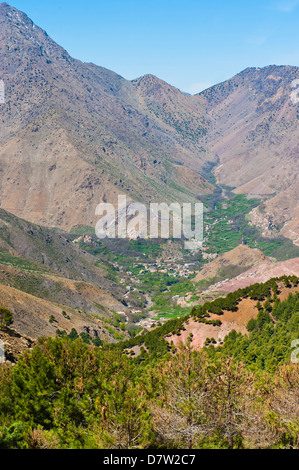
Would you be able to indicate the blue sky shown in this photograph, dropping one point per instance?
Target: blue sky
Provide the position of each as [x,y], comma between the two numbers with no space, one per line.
[191,44]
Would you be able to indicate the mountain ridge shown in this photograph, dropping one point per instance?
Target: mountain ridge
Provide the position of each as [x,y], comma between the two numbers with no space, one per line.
[87,117]
[75,134]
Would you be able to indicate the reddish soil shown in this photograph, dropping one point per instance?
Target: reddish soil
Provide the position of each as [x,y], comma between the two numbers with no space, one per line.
[230,321]
[262,273]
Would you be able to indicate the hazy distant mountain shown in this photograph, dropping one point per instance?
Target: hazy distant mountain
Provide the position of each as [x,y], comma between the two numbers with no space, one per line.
[74,134]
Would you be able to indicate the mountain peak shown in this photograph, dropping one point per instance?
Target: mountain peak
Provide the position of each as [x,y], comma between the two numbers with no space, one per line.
[13,13]
[13,22]
[148,78]
[152,82]
[19,33]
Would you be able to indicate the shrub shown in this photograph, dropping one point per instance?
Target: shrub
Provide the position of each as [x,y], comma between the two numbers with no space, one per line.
[6,317]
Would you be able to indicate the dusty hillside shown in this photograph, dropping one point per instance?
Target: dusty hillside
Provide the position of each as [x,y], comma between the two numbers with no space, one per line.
[260,274]
[31,316]
[71,293]
[224,266]
[229,321]
[42,273]
[75,134]
[45,263]
[46,248]
[178,111]
[34,317]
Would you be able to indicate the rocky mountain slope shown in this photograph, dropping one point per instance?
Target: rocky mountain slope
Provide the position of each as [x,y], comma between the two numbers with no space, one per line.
[227,264]
[240,268]
[43,275]
[74,134]
[254,130]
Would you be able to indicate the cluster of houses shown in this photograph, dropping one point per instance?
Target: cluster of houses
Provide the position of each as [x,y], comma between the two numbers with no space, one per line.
[169,267]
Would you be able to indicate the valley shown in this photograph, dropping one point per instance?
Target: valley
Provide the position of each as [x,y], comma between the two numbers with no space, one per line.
[92,135]
[133,343]
[113,296]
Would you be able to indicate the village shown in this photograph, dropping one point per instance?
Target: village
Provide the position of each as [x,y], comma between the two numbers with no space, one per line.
[166,267]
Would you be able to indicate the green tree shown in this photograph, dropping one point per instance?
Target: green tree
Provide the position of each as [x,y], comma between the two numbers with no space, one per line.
[6,317]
